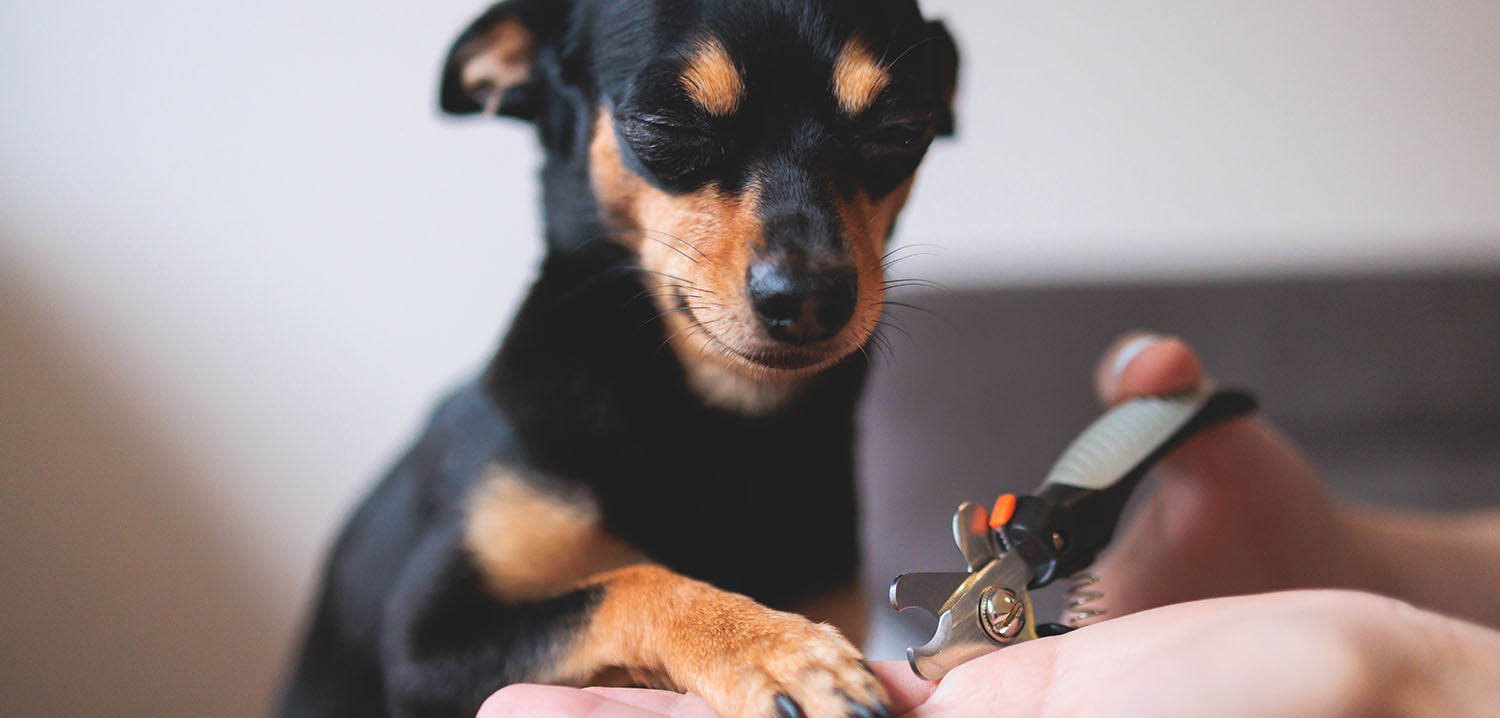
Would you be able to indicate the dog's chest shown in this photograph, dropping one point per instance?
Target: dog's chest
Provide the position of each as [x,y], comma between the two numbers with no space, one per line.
[774,524]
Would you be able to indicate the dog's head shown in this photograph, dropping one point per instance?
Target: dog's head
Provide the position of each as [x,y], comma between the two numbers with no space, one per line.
[754,153]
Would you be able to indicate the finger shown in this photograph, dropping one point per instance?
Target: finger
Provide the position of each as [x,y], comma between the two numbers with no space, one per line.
[538,701]
[907,689]
[1145,364]
[666,703]
[1011,682]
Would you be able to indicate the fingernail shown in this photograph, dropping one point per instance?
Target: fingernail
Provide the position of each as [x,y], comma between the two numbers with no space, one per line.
[1127,354]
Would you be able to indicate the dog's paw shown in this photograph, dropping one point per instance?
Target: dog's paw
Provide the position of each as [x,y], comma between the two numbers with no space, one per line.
[781,665]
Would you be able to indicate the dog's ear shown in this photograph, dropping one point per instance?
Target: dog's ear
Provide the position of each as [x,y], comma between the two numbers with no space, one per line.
[491,66]
[944,54]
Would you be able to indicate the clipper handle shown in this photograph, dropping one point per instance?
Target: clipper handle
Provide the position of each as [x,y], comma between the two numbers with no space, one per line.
[1072,517]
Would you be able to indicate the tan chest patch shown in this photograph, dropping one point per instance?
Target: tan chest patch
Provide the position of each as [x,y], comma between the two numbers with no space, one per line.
[532,543]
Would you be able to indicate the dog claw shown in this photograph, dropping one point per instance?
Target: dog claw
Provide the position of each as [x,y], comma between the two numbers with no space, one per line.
[787,708]
[860,710]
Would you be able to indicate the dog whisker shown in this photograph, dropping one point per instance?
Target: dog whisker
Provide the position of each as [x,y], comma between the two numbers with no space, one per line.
[915,282]
[868,361]
[916,245]
[892,262]
[639,268]
[694,324]
[880,345]
[675,295]
[687,256]
[686,243]
[905,282]
[665,312]
[889,259]
[647,234]
[881,323]
[913,307]
[914,46]
[666,290]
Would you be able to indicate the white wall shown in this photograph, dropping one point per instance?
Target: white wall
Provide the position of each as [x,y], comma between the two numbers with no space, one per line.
[1214,138]
[239,256]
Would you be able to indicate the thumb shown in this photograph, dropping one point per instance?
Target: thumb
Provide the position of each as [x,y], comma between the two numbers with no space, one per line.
[1145,364]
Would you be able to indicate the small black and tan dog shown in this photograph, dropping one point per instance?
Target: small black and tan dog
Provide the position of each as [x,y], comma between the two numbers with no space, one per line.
[653,480]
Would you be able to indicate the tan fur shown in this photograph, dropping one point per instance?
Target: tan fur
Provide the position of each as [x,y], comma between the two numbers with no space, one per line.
[712,79]
[725,386]
[496,61]
[530,543]
[723,646]
[858,77]
[868,224]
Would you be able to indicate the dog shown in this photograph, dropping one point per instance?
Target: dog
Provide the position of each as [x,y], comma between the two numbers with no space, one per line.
[653,480]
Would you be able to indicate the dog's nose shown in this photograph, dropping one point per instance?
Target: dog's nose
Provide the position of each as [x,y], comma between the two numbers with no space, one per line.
[798,305]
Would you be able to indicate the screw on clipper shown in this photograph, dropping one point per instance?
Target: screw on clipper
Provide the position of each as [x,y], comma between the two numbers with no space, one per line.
[1001,614]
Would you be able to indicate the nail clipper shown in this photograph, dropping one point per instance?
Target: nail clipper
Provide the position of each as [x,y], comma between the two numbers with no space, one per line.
[1027,543]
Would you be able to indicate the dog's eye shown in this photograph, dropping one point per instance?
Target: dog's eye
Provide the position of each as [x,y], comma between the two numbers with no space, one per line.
[900,136]
[675,149]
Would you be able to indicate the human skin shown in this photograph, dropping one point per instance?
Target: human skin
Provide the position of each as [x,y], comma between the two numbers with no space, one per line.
[1295,653]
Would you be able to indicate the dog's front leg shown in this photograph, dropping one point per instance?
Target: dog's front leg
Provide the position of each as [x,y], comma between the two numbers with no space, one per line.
[448,642]
[528,587]
[743,658]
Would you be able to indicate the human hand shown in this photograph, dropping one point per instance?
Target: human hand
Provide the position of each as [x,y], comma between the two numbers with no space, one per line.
[1235,510]
[907,692]
[1333,653]
[1299,653]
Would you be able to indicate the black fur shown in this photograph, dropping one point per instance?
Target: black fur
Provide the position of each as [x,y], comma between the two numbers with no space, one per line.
[583,390]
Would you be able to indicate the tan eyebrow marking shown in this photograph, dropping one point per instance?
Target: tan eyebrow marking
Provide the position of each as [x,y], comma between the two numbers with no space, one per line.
[712,79]
[858,77]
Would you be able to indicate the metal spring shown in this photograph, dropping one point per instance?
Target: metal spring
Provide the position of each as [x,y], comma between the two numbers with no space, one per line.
[1079,595]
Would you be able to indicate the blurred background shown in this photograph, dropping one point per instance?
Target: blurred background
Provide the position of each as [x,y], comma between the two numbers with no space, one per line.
[240,256]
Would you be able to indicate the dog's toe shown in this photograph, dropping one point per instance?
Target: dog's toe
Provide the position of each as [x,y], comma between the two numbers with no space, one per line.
[793,668]
[860,710]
